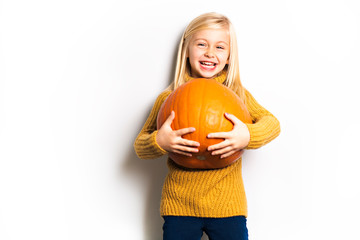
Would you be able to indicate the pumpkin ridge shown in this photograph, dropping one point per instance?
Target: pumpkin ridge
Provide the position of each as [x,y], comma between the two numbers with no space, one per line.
[201,116]
[186,111]
[175,108]
[222,109]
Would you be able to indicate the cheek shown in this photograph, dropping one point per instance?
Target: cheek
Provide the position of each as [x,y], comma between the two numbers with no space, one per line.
[192,59]
[225,57]
[194,56]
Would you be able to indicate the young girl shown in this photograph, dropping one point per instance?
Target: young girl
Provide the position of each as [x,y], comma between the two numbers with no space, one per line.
[210,201]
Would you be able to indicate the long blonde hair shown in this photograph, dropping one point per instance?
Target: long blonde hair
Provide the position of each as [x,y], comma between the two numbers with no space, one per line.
[209,21]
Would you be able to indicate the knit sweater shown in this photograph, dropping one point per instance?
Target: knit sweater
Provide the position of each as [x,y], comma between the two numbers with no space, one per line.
[206,193]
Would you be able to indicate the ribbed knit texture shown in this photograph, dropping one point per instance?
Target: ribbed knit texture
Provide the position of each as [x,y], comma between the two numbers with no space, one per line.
[206,193]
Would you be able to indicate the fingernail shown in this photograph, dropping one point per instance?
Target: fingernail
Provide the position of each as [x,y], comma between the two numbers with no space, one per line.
[209,135]
[226,114]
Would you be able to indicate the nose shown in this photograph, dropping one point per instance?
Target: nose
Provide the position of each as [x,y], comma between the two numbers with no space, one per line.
[209,53]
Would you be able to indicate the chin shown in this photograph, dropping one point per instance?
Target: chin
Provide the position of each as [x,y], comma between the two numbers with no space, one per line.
[209,75]
[206,74]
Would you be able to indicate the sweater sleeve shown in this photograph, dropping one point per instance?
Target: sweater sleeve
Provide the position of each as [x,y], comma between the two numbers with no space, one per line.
[265,126]
[145,144]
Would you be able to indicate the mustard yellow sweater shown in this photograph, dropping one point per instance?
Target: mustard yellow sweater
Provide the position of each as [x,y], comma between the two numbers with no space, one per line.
[206,193]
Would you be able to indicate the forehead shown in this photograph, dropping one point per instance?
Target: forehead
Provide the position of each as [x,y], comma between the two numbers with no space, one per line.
[213,35]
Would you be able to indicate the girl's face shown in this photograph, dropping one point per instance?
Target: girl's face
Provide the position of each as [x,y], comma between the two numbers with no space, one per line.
[208,52]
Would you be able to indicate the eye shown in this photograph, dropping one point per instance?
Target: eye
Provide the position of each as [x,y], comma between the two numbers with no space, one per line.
[220,47]
[201,44]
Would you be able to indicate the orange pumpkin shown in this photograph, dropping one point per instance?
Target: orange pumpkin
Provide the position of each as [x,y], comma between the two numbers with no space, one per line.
[202,103]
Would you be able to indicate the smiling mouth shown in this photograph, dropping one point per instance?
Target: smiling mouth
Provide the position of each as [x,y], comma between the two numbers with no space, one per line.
[208,64]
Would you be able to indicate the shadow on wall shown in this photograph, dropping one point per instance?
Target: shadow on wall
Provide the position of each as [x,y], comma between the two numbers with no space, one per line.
[150,175]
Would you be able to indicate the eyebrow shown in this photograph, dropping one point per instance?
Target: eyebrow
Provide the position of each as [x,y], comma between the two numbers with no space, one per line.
[206,40]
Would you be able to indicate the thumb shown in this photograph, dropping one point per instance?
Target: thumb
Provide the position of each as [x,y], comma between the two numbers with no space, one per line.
[232,118]
[170,118]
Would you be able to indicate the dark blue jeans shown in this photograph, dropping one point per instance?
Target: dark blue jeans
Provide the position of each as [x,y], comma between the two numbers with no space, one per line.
[192,228]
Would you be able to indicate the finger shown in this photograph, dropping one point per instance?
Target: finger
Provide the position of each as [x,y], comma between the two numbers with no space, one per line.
[220,145]
[222,151]
[218,135]
[191,143]
[186,149]
[231,153]
[184,131]
[228,154]
[183,153]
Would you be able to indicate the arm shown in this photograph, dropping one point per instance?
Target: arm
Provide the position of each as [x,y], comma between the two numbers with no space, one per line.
[265,126]
[145,144]
[153,143]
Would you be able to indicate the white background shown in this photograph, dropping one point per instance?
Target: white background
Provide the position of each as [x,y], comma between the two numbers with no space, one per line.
[77,82]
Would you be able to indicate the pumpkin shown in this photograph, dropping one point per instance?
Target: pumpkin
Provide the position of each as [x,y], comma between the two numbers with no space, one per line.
[202,103]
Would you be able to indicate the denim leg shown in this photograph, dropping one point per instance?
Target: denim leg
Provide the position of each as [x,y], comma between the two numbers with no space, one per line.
[231,228]
[182,228]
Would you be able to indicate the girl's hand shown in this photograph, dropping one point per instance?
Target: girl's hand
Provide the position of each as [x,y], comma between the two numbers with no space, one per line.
[172,141]
[235,140]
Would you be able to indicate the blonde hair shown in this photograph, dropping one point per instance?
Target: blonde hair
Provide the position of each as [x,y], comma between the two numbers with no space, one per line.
[209,21]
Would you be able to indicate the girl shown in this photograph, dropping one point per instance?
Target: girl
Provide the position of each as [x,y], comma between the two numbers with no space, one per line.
[210,201]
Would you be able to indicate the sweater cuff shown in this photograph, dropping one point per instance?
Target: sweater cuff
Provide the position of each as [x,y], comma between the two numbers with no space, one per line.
[255,136]
[163,151]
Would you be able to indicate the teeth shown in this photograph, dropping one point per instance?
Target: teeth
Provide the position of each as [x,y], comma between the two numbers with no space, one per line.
[208,63]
